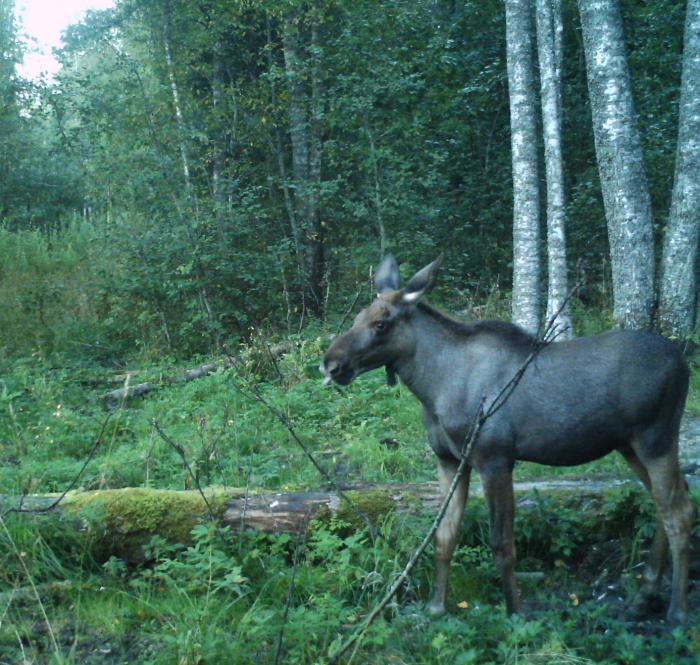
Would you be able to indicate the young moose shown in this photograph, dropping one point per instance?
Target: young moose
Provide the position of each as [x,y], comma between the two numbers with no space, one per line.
[576,401]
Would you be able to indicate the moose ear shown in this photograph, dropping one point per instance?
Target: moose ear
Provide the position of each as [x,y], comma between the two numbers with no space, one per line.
[422,282]
[388,276]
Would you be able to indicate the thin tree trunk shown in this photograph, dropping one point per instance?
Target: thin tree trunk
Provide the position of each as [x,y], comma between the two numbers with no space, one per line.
[299,137]
[678,297]
[179,116]
[305,113]
[381,230]
[218,80]
[277,148]
[620,164]
[549,46]
[523,126]
[298,121]
[316,241]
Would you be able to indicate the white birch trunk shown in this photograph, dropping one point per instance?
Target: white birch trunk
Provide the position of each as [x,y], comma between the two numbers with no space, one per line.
[549,47]
[219,191]
[620,164]
[523,127]
[179,116]
[678,294]
[298,122]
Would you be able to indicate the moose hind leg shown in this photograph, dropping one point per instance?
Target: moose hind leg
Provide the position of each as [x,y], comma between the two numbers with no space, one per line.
[677,512]
[448,531]
[498,490]
[649,596]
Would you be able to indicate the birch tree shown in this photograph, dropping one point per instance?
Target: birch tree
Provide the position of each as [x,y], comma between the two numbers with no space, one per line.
[678,297]
[549,47]
[523,126]
[175,91]
[620,164]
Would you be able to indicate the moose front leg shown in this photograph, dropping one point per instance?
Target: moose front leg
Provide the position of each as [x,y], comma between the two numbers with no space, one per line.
[448,531]
[498,491]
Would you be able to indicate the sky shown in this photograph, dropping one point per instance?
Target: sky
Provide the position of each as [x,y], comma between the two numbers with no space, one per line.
[43,21]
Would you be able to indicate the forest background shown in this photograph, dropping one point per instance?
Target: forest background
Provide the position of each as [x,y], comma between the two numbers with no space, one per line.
[216,180]
[201,171]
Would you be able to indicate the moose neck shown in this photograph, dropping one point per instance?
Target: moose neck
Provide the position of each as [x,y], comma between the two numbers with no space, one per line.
[427,367]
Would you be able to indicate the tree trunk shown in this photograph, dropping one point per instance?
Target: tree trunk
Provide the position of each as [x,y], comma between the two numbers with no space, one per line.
[122,521]
[620,164]
[305,116]
[678,297]
[317,249]
[177,106]
[276,145]
[523,128]
[218,80]
[549,46]
[377,195]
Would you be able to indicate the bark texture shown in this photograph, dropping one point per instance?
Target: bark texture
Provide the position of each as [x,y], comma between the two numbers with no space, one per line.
[304,72]
[175,91]
[220,140]
[122,521]
[523,128]
[549,47]
[620,163]
[678,296]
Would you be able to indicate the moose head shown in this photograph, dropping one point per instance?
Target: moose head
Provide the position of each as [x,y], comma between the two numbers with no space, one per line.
[380,334]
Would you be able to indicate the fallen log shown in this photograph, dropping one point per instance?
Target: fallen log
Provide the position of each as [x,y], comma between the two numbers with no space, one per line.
[116,398]
[121,521]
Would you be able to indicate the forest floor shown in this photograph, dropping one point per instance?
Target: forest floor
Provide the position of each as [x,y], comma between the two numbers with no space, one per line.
[248,598]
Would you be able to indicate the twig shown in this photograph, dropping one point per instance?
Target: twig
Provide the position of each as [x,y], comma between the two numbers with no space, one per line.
[46,509]
[245,504]
[349,309]
[251,391]
[183,456]
[356,638]
[30,579]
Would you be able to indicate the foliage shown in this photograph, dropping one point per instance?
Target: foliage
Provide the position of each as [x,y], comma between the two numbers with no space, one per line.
[116,266]
[415,150]
[222,597]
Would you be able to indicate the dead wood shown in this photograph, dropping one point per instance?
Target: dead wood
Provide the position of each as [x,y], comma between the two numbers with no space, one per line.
[122,521]
[116,398]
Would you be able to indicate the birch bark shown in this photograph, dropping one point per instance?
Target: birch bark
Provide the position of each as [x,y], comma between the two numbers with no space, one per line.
[620,164]
[549,47]
[678,296]
[218,82]
[523,127]
[177,106]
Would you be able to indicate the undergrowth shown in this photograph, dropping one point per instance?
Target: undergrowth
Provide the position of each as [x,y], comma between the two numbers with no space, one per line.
[244,597]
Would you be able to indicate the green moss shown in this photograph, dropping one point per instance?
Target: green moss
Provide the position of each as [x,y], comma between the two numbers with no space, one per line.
[126,519]
[373,504]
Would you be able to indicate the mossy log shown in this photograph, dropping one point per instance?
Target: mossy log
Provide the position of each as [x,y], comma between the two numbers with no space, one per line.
[122,521]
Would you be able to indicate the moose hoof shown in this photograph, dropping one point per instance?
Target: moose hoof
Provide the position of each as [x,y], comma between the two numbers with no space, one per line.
[647,604]
[437,608]
[677,617]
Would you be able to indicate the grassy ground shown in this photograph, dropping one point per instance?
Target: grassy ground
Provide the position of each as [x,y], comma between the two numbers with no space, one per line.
[244,598]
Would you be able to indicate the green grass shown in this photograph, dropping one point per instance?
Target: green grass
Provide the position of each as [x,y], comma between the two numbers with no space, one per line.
[223,598]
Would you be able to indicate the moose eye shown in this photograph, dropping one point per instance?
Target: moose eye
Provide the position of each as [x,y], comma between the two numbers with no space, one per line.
[381,326]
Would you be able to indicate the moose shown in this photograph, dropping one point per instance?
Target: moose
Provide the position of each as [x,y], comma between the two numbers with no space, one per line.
[575,401]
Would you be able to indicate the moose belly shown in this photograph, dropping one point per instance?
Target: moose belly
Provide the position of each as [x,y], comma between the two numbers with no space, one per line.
[570,442]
